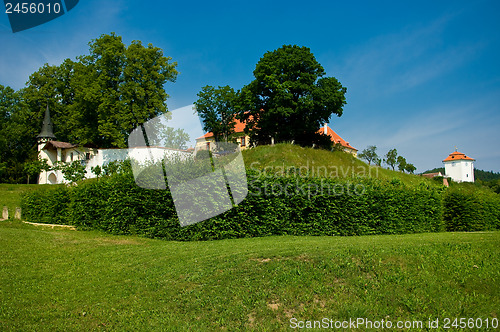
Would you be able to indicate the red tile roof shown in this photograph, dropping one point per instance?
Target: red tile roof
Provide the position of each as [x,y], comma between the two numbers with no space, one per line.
[431,175]
[239,127]
[335,137]
[457,156]
[59,145]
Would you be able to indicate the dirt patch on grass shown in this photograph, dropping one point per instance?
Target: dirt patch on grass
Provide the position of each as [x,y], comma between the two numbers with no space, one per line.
[251,319]
[261,260]
[111,241]
[302,258]
[273,305]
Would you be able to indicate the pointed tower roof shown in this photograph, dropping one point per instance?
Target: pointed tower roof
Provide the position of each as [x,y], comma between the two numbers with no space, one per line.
[47,127]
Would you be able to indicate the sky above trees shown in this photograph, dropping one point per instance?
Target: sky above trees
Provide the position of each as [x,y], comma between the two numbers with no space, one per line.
[422,77]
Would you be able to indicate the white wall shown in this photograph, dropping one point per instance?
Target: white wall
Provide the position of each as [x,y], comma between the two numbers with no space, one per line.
[102,157]
[460,170]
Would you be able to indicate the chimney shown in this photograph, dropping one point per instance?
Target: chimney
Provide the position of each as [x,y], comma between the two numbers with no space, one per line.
[325,129]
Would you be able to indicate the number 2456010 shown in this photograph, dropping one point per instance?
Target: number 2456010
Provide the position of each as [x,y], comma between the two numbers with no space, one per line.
[33,8]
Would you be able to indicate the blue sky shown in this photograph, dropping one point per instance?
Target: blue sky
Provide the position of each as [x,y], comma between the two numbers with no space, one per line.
[422,77]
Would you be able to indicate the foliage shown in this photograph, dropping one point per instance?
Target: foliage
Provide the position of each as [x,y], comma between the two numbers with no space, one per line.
[435,170]
[294,202]
[410,168]
[203,154]
[289,99]
[97,170]
[17,138]
[47,204]
[486,175]
[488,179]
[369,154]
[102,96]
[35,167]
[401,162]
[72,172]
[391,158]
[173,138]
[95,99]
[309,206]
[479,174]
[467,208]
[216,107]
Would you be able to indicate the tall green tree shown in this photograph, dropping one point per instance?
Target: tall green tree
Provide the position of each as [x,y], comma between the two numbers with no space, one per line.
[172,138]
[369,154]
[391,158]
[123,87]
[402,164]
[216,108]
[99,98]
[52,86]
[410,168]
[17,137]
[95,99]
[290,98]
[33,168]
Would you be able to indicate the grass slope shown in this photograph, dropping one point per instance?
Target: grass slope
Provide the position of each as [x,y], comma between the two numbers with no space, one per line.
[273,159]
[10,195]
[55,280]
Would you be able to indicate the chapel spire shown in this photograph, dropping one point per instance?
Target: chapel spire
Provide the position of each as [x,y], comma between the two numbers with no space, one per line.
[47,132]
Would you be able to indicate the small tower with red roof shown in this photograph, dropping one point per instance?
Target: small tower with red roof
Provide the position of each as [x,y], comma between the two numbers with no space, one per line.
[459,167]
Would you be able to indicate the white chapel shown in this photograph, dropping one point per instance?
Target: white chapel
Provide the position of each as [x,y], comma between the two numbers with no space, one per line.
[55,151]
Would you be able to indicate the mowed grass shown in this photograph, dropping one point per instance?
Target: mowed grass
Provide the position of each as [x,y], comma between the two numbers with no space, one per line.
[280,158]
[61,280]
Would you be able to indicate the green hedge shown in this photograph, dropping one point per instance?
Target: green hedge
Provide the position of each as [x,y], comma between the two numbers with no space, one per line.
[308,206]
[49,204]
[468,209]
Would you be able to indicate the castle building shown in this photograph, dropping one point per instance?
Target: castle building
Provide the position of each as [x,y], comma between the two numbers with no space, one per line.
[206,142]
[459,167]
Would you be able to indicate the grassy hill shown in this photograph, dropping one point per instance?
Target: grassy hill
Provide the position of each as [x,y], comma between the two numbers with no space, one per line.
[275,159]
[10,195]
[61,280]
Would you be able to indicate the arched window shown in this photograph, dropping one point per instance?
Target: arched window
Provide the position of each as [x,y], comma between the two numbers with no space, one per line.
[52,178]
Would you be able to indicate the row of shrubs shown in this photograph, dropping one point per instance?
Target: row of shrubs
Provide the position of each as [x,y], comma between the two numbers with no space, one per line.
[308,206]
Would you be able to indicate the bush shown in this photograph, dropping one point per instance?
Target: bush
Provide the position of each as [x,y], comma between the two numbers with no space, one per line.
[49,204]
[295,205]
[274,206]
[470,209]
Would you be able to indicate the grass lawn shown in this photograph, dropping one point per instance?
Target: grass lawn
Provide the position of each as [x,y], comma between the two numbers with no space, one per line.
[55,280]
[279,158]
[10,195]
